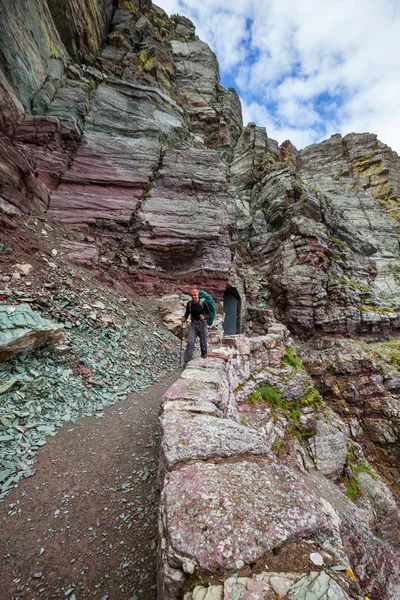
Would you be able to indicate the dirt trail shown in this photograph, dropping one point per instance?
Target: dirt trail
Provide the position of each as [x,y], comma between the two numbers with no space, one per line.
[85,525]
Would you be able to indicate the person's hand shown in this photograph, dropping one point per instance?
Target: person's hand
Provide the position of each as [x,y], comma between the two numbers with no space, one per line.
[201,317]
[183,319]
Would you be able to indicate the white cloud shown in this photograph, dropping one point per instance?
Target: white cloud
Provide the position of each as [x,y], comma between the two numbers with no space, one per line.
[258,114]
[305,69]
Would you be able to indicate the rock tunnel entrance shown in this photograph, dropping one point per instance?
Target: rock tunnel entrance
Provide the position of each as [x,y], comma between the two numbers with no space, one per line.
[233,310]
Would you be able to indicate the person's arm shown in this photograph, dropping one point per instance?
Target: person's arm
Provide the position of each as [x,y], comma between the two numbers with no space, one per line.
[186,315]
[206,310]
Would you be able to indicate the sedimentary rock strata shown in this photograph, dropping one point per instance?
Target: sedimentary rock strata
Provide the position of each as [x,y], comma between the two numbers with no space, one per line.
[360,381]
[131,146]
[185,218]
[320,232]
[114,123]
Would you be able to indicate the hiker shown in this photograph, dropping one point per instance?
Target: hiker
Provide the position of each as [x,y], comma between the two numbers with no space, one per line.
[199,311]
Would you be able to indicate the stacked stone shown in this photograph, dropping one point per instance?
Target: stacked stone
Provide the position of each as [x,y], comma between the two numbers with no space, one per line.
[228,504]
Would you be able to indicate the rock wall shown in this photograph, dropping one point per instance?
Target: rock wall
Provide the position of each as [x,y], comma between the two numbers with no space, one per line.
[83,25]
[253,502]
[322,228]
[361,382]
[32,52]
[39,38]
[123,132]
[125,146]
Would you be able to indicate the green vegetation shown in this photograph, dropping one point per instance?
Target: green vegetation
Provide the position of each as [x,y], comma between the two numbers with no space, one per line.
[292,360]
[190,581]
[168,142]
[290,408]
[158,21]
[336,241]
[361,287]
[93,85]
[312,398]
[271,395]
[262,164]
[254,398]
[130,6]
[387,352]
[351,482]
[278,445]
[337,256]
[244,421]
[382,310]
[394,270]
[147,190]
[146,61]
[352,488]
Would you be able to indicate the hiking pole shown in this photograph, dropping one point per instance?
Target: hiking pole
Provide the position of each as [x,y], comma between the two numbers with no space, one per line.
[180,353]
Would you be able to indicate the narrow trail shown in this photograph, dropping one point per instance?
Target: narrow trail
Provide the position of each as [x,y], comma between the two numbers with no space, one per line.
[85,525]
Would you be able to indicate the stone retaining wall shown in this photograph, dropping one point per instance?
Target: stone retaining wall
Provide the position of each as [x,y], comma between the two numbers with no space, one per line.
[235,521]
[201,426]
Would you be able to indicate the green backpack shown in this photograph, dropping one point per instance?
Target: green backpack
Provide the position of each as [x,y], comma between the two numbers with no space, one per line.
[211,305]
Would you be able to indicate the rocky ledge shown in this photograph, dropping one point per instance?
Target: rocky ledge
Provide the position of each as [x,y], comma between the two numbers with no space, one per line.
[253,470]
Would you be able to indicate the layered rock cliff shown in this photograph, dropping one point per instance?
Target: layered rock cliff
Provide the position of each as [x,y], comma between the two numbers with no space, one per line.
[125,144]
[322,228]
[114,123]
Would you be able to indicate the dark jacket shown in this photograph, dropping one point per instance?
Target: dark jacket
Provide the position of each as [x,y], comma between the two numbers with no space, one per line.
[196,309]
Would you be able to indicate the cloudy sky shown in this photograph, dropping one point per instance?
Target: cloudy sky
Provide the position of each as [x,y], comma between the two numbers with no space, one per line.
[306,69]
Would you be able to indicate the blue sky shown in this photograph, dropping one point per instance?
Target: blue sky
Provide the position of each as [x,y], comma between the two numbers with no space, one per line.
[306,69]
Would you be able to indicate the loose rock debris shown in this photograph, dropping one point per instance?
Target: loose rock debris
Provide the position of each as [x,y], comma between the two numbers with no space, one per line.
[110,350]
[22,330]
[87,522]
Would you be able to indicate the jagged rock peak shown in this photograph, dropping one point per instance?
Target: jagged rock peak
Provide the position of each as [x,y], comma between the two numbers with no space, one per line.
[288,151]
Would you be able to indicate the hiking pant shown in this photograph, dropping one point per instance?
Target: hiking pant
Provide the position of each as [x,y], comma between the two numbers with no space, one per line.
[196,328]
